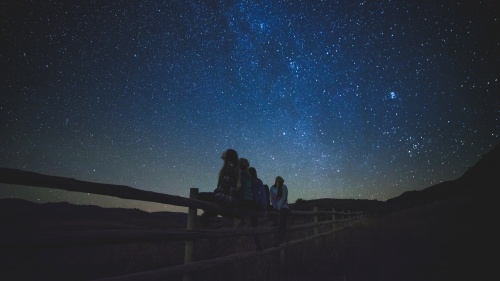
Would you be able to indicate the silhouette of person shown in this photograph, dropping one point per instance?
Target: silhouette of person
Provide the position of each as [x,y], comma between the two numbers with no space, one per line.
[225,194]
[266,187]
[247,202]
[279,201]
[260,194]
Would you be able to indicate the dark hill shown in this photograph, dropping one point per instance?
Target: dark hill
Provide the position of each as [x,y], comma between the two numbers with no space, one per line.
[448,231]
[326,204]
[480,181]
[26,215]
[449,239]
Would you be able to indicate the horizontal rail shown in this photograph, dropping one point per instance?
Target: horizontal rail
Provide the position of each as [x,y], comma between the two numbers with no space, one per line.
[20,177]
[8,240]
[12,240]
[198,266]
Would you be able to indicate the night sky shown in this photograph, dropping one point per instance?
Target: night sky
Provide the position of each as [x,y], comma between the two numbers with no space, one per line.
[343,99]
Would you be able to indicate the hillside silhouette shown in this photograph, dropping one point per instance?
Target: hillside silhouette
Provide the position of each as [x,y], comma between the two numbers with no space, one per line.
[18,213]
[480,181]
[448,231]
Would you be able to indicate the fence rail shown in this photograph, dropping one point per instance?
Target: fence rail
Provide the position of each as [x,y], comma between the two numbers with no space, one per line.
[84,238]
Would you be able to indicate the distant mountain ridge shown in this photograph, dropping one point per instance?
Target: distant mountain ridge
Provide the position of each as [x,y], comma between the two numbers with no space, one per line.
[444,232]
[481,180]
[19,211]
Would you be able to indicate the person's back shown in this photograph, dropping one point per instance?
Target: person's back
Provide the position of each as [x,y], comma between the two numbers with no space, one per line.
[268,196]
[246,186]
[226,191]
[279,200]
[249,202]
[227,186]
[259,191]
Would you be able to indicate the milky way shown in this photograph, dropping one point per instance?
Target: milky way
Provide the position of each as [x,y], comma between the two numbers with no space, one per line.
[343,99]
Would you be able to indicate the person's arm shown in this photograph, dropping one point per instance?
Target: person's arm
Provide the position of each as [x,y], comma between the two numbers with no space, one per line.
[273,198]
[283,198]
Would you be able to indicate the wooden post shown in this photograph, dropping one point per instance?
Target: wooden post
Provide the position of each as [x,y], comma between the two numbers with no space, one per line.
[316,220]
[333,218]
[316,228]
[282,268]
[191,225]
[343,217]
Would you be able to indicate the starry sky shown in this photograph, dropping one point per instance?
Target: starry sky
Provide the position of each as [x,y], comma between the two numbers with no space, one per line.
[343,99]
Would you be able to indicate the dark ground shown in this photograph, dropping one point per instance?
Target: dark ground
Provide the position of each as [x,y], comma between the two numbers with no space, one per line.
[448,240]
[454,239]
[449,231]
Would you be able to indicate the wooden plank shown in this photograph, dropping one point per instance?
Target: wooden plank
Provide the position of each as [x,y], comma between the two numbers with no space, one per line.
[191,225]
[20,177]
[11,240]
[161,274]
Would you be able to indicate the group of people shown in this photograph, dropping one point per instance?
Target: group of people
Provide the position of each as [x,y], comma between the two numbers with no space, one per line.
[240,189]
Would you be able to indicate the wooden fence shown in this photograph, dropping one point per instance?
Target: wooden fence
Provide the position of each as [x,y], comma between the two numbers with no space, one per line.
[337,221]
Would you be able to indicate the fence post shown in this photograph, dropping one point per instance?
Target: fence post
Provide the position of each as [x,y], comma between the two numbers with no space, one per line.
[316,228]
[333,218]
[283,271]
[343,217]
[316,220]
[191,224]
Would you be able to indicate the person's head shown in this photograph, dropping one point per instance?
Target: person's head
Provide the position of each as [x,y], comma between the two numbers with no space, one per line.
[244,164]
[231,156]
[279,181]
[252,172]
